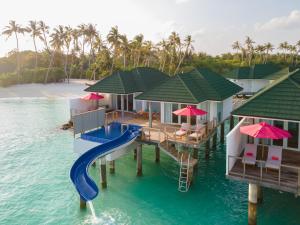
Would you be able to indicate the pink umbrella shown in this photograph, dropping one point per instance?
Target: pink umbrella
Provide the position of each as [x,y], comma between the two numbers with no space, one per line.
[93,96]
[190,111]
[265,130]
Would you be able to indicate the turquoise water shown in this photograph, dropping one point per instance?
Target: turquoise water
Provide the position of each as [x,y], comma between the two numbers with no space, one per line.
[35,158]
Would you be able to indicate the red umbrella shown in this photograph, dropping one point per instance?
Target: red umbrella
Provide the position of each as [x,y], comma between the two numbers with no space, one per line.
[265,130]
[93,96]
[190,111]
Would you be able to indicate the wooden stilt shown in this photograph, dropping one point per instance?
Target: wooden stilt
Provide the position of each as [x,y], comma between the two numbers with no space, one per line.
[214,140]
[252,204]
[207,145]
[112,167]
[82,204]
[139,168]
[134,154]
[103,177]
[222,133]
[231,122]
[94,164]
[195,153]
[259,194]
[157,154]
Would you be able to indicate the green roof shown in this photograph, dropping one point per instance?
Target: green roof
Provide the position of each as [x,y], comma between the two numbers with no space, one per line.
[193,87]
[258,71]
[279,100]
[125,82]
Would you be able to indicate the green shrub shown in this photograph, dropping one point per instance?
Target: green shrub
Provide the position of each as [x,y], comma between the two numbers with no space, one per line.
[32,76]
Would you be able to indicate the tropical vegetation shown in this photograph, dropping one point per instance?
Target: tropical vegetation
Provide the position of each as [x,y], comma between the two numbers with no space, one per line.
[81,52]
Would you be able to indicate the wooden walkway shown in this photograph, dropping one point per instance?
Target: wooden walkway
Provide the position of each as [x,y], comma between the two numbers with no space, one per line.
[287,179]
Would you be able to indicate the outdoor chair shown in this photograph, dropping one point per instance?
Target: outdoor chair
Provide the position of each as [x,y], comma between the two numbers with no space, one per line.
[198,133]
[274,157]
[250,154]
[185,127]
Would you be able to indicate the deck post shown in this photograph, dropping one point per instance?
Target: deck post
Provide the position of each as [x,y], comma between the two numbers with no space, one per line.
[112,167]
[139,168]
[214,144]
[82,204]
[157,154]
[134,154]
[252,204]
[222,132]
[207,145]
[231,122]
[150,114]
[103,173]
[195,153]
[122,106]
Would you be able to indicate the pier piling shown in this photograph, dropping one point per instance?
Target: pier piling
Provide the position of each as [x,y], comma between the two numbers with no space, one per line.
[222,133]
[134,154]
[139,168]
[252,204]
[112,167]
[82,204]
[103,177]
[157,154]
[207,146]
[214,141]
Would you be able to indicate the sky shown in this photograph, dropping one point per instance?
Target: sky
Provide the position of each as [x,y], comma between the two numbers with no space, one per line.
[213,24]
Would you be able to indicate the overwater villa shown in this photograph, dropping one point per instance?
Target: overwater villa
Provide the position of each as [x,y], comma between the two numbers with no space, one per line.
[256,77]
[265,162]
[140,108]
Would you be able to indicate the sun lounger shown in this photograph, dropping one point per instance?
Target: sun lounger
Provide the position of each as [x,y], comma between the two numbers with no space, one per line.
[274,157]
[198,133]
[185,127]
[250,154]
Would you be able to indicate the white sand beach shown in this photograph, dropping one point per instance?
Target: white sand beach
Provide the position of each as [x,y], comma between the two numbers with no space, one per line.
[54,90]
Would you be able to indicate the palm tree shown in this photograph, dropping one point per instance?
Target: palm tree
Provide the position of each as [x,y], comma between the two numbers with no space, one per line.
[174,41]
[284,47]
[163,46]
[249,47]
[113,39]
[137,43]
[35,32]
[56,42]
[188,45]
[91,33]
[82,29]
[14,29]
[260,49]
[237,46]
[67,38]
[293,51]
[269,48]
[298,50]
[45,31]
[124,48]
[75,33]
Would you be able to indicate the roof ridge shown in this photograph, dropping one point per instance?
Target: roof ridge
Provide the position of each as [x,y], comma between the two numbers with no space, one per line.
[268,88]
[121,80]
[187,89]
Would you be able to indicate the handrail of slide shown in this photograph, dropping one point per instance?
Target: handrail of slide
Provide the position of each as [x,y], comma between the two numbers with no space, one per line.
[83,183]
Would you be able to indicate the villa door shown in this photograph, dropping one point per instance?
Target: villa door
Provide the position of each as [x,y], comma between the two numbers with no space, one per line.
[128,102]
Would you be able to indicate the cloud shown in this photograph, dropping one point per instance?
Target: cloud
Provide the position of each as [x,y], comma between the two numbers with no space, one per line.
[291,21]
[181,1]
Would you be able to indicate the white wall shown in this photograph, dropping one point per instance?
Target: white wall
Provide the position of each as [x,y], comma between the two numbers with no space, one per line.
[213,111]
[227,107]
[234,144]
[250,85]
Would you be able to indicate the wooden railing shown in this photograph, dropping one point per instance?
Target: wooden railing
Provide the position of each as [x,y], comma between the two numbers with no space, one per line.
[259,164]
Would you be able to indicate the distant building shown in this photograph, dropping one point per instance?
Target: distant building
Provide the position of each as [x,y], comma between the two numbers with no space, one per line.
[254,78]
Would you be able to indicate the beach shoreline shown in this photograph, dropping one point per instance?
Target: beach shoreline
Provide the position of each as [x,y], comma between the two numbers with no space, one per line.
[73,89]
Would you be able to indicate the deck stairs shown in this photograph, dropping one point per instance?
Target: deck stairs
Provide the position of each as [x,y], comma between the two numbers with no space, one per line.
[184,173]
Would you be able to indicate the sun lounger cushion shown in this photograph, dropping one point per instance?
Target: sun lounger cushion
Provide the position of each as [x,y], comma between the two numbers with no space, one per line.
[180,132]
[250,154]
[183,130]
[274,157]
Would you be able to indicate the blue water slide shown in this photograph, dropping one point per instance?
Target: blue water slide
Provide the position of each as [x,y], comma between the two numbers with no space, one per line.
[83,183]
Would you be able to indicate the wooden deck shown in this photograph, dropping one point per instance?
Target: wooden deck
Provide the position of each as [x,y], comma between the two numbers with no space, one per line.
[164,136]
[286,179]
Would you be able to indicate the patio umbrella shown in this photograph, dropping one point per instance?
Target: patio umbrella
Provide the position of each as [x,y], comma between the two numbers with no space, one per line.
[265,131]
[93,96]
[190,111]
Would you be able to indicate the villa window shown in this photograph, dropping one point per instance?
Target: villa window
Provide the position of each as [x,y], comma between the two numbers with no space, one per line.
[293,128]
[119,102]
[175,118]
